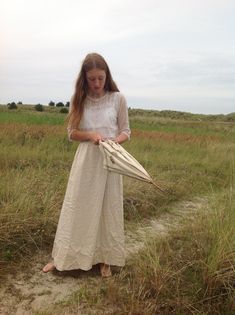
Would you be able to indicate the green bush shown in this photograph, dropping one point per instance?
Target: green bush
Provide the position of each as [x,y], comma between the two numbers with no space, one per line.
[64,110]
[60,104]
[230,117]
[12,105]
[39,108]
[51,103]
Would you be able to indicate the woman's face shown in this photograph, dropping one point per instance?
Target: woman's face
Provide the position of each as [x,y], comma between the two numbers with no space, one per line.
[96,82]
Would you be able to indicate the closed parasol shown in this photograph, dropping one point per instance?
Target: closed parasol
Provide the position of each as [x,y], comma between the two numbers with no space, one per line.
[118,160]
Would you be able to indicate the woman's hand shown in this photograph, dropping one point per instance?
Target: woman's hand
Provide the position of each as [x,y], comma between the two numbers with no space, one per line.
[95,137]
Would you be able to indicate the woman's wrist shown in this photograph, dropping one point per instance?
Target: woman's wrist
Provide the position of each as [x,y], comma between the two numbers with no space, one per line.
[122,137]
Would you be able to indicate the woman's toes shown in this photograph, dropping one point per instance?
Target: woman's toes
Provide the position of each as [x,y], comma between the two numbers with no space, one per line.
[105,271]
[49,267]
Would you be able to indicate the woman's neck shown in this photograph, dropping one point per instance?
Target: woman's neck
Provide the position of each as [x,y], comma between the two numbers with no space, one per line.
[96,95]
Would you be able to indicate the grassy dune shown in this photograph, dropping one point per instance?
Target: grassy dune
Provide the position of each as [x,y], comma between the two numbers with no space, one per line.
[189,272]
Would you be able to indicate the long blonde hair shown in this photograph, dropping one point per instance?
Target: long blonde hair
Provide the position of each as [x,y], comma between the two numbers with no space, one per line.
[91,61]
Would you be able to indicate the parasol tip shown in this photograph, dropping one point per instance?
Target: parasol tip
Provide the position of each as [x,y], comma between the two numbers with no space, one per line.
[160,189]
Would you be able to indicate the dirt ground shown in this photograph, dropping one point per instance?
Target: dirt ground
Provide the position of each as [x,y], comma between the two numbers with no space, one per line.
[31,291]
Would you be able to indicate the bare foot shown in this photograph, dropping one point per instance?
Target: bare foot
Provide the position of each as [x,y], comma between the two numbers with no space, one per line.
[105,271]
[49,267]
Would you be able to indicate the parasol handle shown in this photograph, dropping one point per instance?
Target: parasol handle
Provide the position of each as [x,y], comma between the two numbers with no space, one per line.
[158,187]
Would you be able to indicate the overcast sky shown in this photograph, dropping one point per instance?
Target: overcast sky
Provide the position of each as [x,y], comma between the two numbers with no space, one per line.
[163,54]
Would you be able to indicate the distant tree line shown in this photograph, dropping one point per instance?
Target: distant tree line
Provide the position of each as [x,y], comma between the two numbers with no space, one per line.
[59,104]
[39,107]
[64,109]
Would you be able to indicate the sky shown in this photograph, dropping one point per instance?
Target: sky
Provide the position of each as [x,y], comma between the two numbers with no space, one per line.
[163,54]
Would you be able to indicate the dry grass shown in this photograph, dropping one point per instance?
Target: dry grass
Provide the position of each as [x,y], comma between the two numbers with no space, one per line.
[190,272]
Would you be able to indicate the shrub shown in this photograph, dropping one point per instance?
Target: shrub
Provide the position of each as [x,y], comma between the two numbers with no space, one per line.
[64,110]
[19,103]
[51,103]
[230,117]
[60,104]
[12,105]
[39,108]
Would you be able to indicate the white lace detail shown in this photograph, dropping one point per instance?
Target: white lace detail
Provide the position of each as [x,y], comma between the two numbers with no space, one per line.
[107,115]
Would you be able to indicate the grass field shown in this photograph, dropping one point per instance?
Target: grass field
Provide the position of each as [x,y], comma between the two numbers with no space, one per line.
[192,271]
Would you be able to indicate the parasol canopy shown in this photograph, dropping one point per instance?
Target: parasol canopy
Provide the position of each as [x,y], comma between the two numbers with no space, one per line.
[118,160]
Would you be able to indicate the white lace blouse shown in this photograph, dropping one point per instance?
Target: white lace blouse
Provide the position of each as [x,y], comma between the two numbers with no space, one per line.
[107,115]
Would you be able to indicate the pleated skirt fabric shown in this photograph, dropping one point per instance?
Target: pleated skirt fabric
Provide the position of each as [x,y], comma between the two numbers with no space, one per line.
[90,228]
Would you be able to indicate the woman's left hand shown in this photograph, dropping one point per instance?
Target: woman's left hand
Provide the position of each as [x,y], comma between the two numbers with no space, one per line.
[95,137]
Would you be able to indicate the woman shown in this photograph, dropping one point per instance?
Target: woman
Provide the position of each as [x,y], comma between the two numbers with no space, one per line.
[91,227]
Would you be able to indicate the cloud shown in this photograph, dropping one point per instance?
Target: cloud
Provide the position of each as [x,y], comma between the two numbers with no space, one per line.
[158,50]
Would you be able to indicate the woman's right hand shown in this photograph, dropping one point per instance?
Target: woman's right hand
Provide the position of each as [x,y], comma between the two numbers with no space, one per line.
[95,137]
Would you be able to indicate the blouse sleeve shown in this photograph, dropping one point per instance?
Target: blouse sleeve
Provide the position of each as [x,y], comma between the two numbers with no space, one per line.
[123,119]
[70,127]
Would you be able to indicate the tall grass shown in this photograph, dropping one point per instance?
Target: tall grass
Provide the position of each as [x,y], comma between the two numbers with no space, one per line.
[189,272]
[216,129]
[34,165]
[192,271]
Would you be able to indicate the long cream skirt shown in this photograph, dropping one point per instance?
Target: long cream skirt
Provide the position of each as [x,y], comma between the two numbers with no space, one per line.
[91,227]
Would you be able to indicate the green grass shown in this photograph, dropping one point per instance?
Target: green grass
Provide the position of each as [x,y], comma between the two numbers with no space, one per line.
[178,115]
[217,130]
[192,271]
[31,118]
